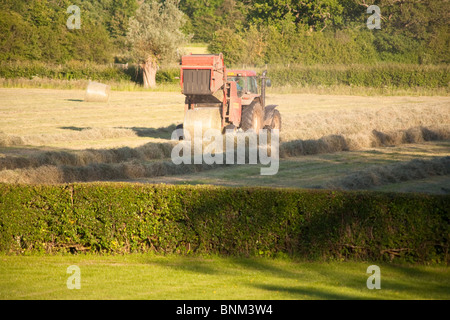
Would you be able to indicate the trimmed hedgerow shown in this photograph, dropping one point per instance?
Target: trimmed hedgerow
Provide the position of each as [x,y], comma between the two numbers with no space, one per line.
[75,70]
[391,75]
[312,224]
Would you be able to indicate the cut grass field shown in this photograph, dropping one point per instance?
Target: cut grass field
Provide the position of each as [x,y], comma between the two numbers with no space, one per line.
[53,136]
[61,118]
[218,278]
[333,170]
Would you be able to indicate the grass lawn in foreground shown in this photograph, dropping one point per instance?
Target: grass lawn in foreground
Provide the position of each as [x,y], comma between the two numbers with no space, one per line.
[139,276]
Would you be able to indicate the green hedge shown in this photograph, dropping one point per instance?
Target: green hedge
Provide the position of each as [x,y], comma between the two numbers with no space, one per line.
[375,76]
[81,71]
[313,224]
[70,71]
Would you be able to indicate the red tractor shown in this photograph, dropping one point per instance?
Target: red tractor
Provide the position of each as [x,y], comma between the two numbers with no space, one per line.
[222,99]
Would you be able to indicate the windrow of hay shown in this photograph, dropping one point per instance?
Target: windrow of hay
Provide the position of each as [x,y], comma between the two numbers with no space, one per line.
[358,141]
[151,151]
[393,173]
[129,163]
[360,122]
[303,134]
[98,172]
[146,152]
[84,134]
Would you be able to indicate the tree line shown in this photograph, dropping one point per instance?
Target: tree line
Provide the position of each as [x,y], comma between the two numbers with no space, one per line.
[324,31]
[252,32]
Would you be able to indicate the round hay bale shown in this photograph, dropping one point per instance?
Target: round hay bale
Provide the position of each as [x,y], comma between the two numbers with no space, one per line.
[207,118]
[97,92]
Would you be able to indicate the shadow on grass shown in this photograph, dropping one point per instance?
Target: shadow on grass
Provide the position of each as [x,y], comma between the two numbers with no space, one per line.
[158,133]
[75,100]
[397,282]
[188,265]
[75,128]
[308,293]
[263,265]
[316,280]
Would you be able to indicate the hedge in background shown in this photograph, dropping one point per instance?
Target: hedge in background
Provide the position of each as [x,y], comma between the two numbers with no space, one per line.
[76,70]
[382,75]
[71,71]
[313,224]
[392,75]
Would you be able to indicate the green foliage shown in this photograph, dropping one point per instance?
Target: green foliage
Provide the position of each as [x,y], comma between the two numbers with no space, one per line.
[69,71]
[208,16]
[228,43]
[118,218]
[391,75]
[154,32]
[316,14]
[168,75]
[332,31]
[75,70]
[37,31]
[16,40]
[375,76]
[250,32]
[286,44]
[121,11]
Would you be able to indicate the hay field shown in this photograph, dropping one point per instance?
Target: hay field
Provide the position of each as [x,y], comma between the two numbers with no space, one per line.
[327,141]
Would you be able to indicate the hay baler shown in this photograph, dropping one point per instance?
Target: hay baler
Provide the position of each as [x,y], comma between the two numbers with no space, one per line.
[224,100]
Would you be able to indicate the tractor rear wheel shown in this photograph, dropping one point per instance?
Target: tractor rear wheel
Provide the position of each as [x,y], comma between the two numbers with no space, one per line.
[252,117]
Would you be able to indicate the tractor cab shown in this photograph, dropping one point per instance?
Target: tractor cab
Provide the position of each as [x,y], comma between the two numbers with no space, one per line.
[255,114]
[246,84]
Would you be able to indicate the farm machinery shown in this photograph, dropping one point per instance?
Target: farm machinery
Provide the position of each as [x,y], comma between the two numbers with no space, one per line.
[223,99]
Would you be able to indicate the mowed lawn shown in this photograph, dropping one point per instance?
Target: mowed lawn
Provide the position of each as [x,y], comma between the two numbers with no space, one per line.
[140,276]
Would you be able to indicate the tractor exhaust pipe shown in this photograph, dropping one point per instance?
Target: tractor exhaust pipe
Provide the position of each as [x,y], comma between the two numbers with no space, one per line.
[264,82]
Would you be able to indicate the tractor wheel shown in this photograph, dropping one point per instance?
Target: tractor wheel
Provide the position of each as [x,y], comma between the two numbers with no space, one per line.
[252,117]
[276,120]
